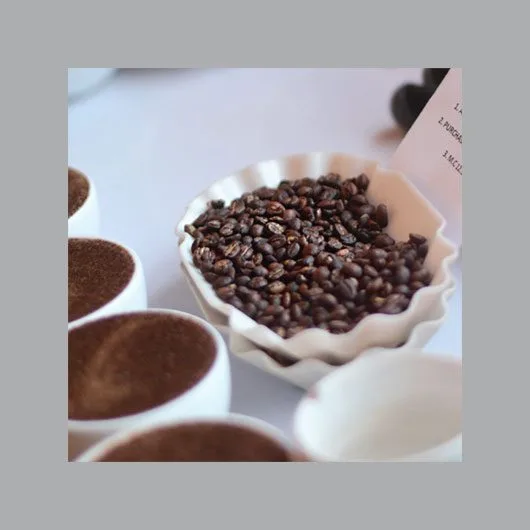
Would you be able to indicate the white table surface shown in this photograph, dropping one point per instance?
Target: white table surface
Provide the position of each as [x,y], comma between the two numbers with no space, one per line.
[153,139]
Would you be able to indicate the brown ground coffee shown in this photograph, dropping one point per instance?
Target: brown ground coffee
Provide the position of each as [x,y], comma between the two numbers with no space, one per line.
[77,191]
[126,364]
[97,272]
[201,442]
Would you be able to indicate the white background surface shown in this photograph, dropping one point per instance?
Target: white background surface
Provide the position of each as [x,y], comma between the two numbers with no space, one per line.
[151,140]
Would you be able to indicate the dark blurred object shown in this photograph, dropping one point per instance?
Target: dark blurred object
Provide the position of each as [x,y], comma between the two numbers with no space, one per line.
[434,76]
[409,100]
[407,103]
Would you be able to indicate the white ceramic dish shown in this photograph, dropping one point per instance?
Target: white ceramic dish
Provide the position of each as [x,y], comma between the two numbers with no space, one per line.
[209,397]
[99,450]
[389,406]
[307,372]
[409,212]
[133,297]
[86,220]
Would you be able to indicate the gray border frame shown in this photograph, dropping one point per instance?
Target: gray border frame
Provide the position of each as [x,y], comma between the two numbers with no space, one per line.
[107,496]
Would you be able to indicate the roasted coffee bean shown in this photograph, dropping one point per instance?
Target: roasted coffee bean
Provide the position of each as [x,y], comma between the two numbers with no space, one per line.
[280,253]
[347,289]
[226,230]
[222,267]
[214,224]
[289,215]
[356,201]
[232,249]
[334,244]
[250,310]
[258,282]
[401,289]
[383,240]
[423,275]
[274,310]
[270,258]
[293,250]
[387,289]
[381,216]
[286,299]
[246,252]
[264,247]
[352,270]
[314,292]
[362,182]
[394,304]
[375,285]
[327,300]
[296,312]
[409,256]
[385,273]
[236,302]
[360,298]
[339,313]
[256,230]
[276,287]
[261,304]
[377,302]
[265,320]
[378,253]
[364,219]
[402,275]
[363,236]
[370,271]
[423,250]
[321,274]
[277,241]
[276,271]
[222,281]
[379,264]
[275,228]
[340,326]
[417,239]
[210,277]
[260,270]
[415,286]
[242,280]
[227,292]
[309,250]
[320,315]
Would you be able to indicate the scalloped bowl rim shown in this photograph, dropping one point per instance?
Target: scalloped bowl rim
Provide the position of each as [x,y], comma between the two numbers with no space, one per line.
[211,298]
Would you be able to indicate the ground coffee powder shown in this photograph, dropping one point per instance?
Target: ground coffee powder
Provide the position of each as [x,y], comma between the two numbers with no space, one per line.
[126,364]
[201,442]
[77,191]
[97,272]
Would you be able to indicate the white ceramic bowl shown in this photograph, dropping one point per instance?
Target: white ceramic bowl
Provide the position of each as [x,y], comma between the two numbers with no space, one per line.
[99,450]
[307,372]
[132,297]
[85,222]
[387,406]
[409,212]
[209,397]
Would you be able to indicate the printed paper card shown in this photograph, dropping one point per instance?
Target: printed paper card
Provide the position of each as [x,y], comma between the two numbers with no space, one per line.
[431,153]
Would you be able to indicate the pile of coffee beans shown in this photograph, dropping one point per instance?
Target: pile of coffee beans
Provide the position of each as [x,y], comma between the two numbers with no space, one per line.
[308,254]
